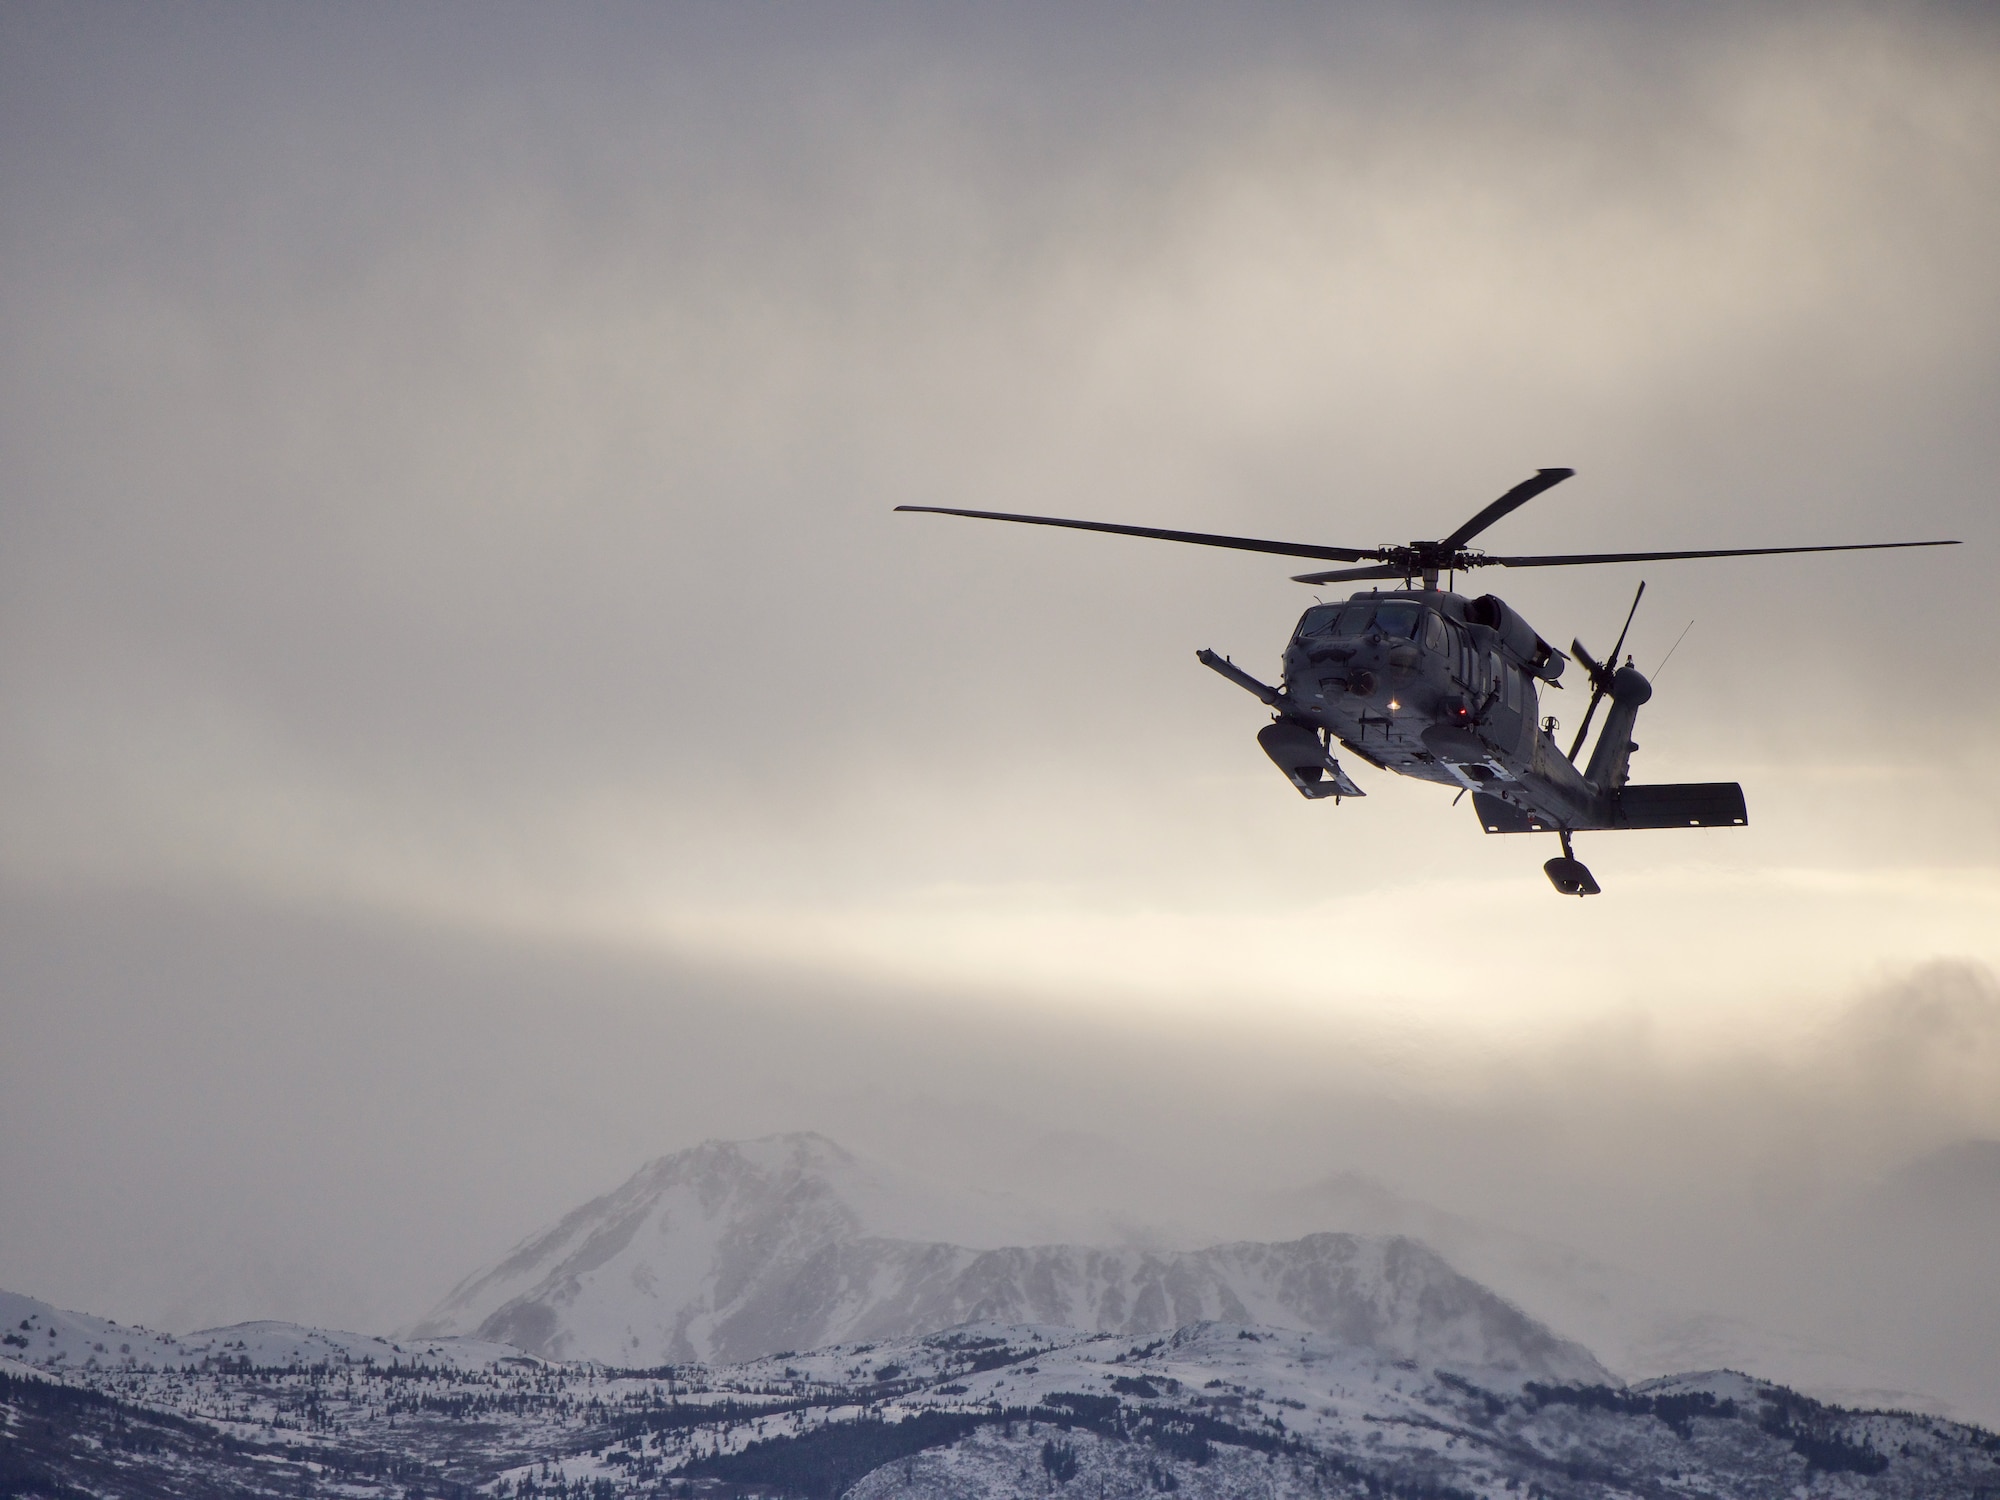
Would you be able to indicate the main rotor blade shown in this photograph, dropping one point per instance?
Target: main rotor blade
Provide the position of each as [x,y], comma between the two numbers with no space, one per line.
[1199,538]
[1513,500]
[1570,559]
[1348,575]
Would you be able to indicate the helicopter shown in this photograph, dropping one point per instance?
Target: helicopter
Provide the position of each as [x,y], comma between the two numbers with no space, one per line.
[1426,682]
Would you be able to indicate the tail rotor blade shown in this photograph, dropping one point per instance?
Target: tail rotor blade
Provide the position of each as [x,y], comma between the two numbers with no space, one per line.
[1583,729]
[1590,663]
[1612,663]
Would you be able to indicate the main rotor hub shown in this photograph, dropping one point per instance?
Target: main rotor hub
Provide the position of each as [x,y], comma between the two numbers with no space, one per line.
[1429,559]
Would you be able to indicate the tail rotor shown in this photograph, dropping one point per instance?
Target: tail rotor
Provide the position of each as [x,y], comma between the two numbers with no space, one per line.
[1600,673]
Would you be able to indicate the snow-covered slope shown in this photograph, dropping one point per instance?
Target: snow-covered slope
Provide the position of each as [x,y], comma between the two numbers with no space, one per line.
[986,1411]
[1639,1329]
[732,1251]
[700,1226]
[746,1202]
[52,1341]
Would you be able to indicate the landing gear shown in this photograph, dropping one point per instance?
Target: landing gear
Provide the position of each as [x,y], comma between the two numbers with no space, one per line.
[1568,874]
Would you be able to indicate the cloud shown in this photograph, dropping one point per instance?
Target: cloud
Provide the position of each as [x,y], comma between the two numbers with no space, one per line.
[1927,1048]
[450,595]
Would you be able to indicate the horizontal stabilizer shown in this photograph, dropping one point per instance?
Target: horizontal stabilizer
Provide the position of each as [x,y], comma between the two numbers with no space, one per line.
[1691,804]
[1686,804]
[1496,816]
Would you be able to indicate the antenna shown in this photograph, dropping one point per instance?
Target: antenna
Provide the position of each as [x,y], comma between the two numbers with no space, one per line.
[1672,649]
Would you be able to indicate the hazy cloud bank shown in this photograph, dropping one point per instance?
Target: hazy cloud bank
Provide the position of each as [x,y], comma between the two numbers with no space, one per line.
[470,723]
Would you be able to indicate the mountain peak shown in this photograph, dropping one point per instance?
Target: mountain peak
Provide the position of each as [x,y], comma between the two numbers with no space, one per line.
[734,1250]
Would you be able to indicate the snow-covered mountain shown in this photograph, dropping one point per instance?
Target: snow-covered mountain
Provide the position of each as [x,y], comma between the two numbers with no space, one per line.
[736,1250]
[52,1341]
[1210,1411]
[716,1225]
[1637,1328]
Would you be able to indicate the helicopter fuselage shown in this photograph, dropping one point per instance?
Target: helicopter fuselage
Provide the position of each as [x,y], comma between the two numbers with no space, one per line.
[1431,684]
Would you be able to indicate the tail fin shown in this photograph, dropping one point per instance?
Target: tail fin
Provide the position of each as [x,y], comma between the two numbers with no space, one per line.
[1611,757]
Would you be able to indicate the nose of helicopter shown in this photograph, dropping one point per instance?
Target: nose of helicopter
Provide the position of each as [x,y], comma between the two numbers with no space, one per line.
[1345,670]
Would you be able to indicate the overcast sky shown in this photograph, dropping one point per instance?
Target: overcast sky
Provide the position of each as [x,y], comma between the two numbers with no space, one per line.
[470,720]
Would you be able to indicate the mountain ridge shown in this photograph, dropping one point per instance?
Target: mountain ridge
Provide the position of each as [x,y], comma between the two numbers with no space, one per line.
[1211,1410]
[734,1250]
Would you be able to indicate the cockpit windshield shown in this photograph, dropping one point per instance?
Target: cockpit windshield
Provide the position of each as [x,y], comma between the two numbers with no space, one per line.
[1319,619]
[1354,618]
[1393,617]
[1398,617]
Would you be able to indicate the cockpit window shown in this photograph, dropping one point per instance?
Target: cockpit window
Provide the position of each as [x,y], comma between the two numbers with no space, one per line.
[1399,617]
[1395,617]
[1319,619]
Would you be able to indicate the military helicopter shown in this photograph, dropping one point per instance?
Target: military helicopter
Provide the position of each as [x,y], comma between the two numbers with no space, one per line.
[1428,683]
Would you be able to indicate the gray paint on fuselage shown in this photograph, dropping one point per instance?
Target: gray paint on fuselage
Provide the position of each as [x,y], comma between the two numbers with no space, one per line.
[1421,672]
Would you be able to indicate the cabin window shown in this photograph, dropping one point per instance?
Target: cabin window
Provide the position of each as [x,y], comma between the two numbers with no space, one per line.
[1434,633]
[1513,678]
[1399,618]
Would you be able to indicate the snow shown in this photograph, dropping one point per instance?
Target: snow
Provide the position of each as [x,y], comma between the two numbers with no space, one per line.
[733,1250]
[1210,1409]
[49,1340]
[747,1293]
